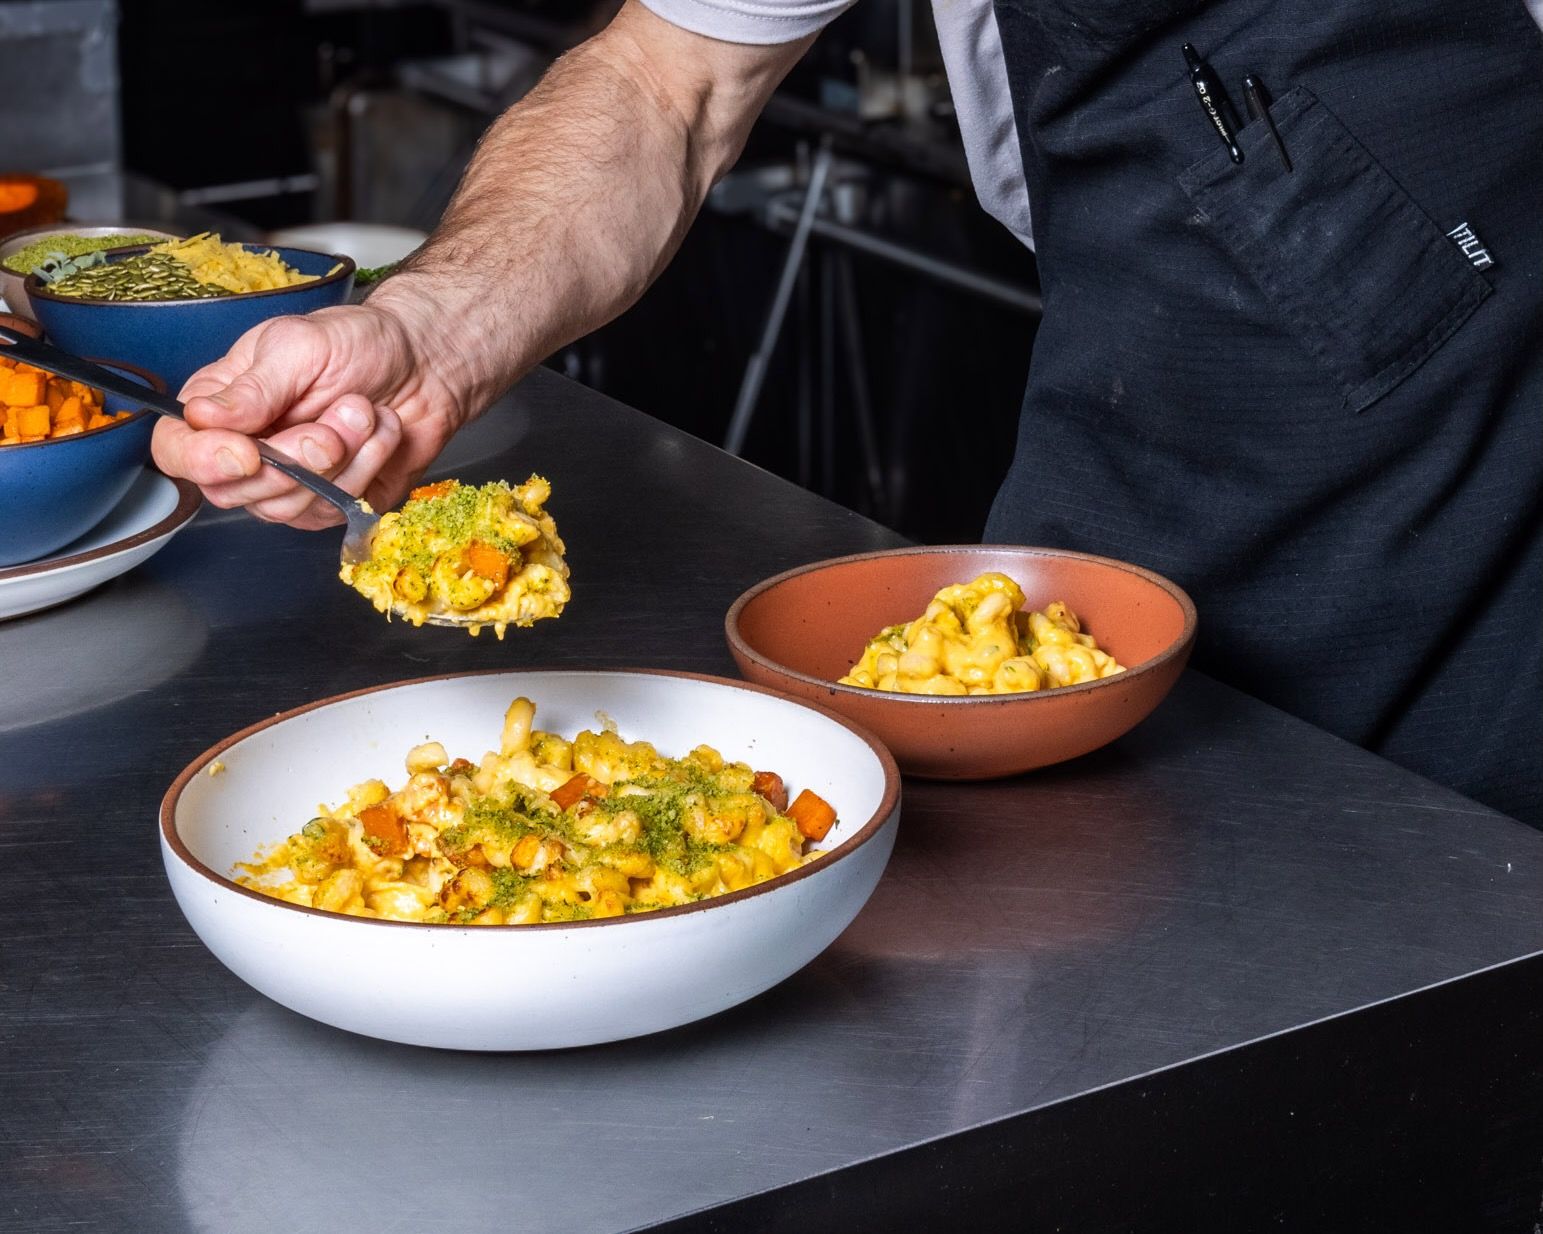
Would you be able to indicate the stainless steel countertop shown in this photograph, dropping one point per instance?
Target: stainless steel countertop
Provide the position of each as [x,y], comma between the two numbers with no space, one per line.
[1222,874]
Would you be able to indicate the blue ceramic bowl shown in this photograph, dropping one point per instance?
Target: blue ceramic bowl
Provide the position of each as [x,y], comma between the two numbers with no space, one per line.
[53,492]
[176,338]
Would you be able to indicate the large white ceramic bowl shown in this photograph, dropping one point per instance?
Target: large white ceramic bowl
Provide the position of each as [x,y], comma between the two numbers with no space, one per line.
[535,986]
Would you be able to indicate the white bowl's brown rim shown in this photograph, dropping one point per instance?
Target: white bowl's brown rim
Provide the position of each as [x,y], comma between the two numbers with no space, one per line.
[37,289]
[152,382]
[741,647]
[189,499]
[881,816]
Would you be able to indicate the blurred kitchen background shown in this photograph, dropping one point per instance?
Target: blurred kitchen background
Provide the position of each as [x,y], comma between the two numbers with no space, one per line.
[894,316]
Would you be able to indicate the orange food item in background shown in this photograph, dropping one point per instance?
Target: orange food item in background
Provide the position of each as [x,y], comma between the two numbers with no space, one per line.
[38,406]
[16,196]
[30,201]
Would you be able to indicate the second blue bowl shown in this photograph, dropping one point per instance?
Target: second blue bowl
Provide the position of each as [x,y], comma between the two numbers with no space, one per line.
[176,338]
[53,492]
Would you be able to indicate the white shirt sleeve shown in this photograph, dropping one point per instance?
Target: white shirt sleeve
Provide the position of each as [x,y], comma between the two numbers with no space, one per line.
[750,21]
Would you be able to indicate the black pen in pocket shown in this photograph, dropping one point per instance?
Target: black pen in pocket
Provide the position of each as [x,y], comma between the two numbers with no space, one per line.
[1257,103]
[1217,109]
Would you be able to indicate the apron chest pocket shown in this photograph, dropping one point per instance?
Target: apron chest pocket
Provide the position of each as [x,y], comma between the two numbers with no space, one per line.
[1356,269]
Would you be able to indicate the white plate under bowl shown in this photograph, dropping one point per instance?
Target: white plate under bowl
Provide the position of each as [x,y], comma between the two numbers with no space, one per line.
[151,512]
[532,986]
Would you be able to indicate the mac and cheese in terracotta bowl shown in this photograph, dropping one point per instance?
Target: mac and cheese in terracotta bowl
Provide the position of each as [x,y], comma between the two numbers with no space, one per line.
[970,662]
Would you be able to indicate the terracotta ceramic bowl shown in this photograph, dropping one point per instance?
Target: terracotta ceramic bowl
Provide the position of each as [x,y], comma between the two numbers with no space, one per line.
[800,631]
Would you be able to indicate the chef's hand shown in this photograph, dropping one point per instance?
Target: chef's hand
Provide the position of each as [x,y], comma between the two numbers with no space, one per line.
[536,249]
[343,391]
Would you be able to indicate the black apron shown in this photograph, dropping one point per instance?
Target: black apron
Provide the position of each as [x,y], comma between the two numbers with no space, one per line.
[1295,393]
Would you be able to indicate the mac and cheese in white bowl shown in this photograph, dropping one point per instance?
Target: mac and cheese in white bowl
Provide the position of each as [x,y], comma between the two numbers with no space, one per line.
[450,983]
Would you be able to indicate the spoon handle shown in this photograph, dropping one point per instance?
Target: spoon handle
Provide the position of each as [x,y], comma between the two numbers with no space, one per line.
[67,364]
[320,485]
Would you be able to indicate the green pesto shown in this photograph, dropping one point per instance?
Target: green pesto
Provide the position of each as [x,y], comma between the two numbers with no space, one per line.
[68,244]
[465,513]
[419,558]
[663,812]
[455,514]
[504,821]
[560,911]
[509,888]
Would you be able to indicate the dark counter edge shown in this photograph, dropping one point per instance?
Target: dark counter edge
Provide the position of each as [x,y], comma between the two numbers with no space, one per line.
[1423,1128]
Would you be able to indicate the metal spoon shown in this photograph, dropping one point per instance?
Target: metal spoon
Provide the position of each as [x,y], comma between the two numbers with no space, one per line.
[362,521]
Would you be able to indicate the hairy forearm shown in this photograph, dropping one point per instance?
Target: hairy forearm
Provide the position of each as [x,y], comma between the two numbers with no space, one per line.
[576,199]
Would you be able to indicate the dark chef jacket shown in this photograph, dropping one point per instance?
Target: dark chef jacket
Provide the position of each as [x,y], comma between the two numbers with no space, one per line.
[1312,397]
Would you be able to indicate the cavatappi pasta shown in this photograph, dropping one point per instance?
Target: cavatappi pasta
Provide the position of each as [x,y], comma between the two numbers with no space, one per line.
[974,639]
[545,829]
[484,556]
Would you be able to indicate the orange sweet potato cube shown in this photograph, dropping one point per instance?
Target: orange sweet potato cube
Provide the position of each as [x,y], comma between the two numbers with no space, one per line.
[98,420]
[70,409]
[54,397]
[32,421]
[24,389]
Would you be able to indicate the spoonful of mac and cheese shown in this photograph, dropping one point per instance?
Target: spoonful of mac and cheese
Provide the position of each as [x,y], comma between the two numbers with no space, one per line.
[465,555]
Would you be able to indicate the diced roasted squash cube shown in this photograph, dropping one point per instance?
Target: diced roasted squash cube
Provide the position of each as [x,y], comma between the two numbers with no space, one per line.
[24,390]
[32,421]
